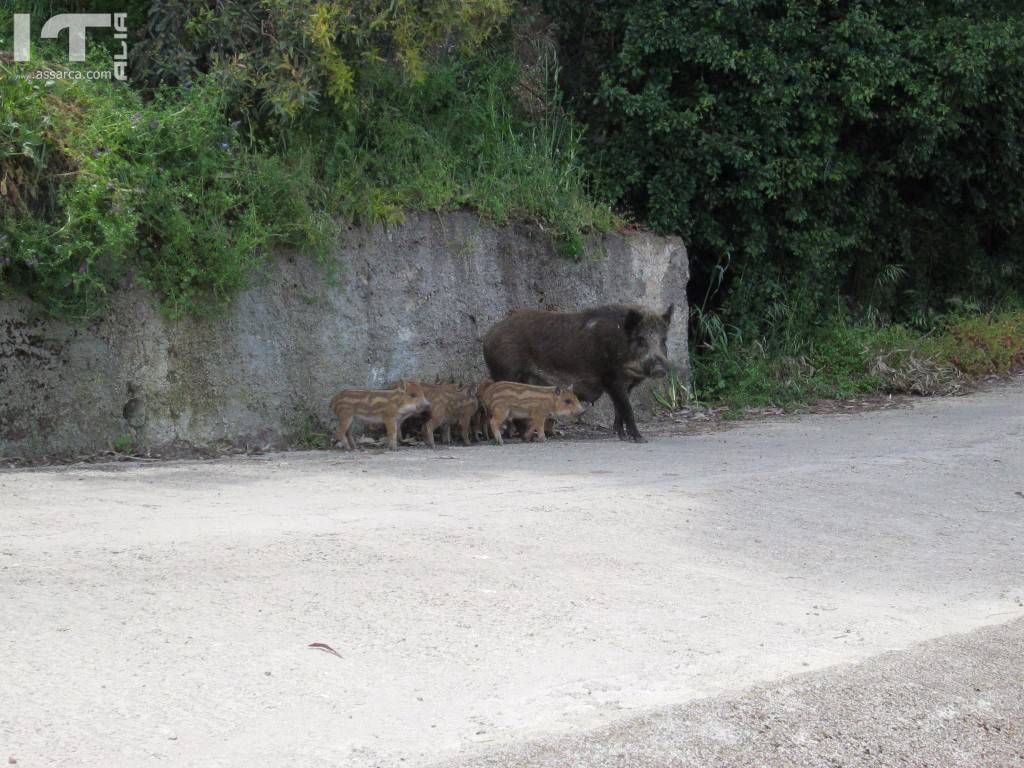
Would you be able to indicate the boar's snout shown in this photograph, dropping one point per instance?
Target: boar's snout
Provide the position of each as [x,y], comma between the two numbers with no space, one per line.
[656,367]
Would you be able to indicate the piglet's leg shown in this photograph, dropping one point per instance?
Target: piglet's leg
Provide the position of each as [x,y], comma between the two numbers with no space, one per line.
[392,426]
[496,429]
[428,432]
[537,424]
[341,432]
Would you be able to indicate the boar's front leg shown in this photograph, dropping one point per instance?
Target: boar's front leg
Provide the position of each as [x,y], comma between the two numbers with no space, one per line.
[618,417]
[619,393]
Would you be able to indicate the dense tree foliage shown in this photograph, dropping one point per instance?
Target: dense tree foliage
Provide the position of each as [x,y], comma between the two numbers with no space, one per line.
[812,149]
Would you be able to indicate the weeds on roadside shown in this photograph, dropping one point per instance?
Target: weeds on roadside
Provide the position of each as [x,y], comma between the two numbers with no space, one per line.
[311,435]
[672,394]
[123,444]
[842,358]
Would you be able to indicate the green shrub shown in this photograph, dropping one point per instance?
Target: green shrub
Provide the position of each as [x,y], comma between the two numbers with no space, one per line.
[185,192]
[109,186]
[123,444]
[672,394]
[311,435]
[867,149]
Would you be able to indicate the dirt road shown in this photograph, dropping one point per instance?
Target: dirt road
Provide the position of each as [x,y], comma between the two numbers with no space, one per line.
[484,601]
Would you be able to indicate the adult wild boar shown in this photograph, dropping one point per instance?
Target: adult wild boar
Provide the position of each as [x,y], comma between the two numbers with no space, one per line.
[605,349]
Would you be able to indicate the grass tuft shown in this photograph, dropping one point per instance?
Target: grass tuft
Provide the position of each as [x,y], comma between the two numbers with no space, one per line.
[841,359]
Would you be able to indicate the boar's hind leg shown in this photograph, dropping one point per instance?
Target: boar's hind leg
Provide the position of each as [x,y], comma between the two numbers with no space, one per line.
[624,411]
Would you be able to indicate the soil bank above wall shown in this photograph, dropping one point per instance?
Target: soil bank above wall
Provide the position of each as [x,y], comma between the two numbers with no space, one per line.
[411,300]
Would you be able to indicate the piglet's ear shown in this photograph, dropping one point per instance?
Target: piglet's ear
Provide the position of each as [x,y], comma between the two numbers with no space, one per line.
[558,390]
[632,321]
[667,317]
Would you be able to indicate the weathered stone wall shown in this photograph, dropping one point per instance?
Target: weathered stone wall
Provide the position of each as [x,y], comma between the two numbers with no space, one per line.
[411,300]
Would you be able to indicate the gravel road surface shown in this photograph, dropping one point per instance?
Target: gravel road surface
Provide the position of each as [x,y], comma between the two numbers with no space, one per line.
[787,592]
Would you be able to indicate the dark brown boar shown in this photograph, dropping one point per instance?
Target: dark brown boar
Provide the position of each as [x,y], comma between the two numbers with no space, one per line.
[604,349]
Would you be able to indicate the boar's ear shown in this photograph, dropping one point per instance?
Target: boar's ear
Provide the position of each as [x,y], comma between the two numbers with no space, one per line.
[632,321]
[667,317]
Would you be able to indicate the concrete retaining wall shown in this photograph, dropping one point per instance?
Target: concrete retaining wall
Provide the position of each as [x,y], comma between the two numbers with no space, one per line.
[411,300]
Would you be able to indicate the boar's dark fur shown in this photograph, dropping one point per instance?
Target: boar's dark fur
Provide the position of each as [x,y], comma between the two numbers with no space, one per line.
[605,349]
